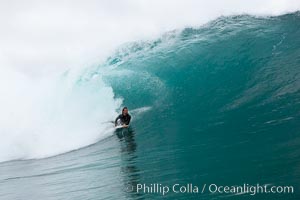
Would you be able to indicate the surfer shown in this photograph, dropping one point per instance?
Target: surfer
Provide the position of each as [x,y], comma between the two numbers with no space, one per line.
[123,119]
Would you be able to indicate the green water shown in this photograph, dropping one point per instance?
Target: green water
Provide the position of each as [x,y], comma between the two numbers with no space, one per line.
[224,105]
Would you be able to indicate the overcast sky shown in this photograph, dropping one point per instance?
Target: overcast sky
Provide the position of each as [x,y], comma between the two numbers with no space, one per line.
[38,37]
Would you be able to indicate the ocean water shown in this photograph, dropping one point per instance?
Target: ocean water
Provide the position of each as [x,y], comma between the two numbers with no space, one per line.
[212,105]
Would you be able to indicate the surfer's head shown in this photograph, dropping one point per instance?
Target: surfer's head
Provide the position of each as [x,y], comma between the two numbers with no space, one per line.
[125,111]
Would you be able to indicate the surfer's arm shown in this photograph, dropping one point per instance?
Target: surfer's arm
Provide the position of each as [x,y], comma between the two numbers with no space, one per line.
[117,120]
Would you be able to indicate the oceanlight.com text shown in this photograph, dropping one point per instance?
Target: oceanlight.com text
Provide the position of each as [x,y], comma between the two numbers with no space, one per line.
[164,189]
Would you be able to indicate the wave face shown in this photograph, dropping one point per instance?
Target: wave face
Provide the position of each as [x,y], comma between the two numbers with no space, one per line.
[234,81]
[237,74]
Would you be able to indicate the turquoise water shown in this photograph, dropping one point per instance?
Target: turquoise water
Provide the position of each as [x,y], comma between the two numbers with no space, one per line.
[217,104]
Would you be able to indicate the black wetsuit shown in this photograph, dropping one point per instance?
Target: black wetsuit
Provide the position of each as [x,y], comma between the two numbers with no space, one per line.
[125,119]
